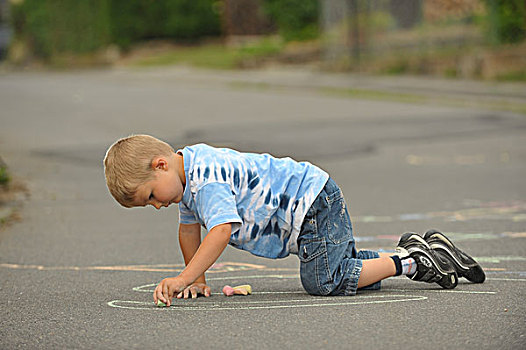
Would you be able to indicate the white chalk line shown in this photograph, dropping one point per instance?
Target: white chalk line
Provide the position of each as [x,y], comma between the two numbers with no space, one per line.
[442,291]
[302,292]
[507,279]
[217,268]
[140,288]
[220,307]
[233,304]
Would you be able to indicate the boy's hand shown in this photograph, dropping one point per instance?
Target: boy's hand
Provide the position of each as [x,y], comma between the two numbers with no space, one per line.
[199,257]
[195,289]
[167,289]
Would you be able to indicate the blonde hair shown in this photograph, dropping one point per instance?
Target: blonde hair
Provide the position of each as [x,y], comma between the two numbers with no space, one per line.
[128,164]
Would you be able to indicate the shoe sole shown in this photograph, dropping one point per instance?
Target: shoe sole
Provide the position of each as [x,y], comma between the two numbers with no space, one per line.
[448,279]
[470,270]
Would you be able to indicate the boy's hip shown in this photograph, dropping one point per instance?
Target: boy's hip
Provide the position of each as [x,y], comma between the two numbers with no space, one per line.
[327,217]
[326,246]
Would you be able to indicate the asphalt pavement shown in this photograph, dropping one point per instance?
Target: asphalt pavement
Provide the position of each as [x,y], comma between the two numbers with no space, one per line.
[409,153]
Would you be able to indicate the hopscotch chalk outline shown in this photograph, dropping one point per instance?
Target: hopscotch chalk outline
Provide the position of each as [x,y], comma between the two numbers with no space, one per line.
[222,306]
[233,304]
[227,267]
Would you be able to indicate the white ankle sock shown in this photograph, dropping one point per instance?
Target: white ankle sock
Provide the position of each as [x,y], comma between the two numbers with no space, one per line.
[408,266]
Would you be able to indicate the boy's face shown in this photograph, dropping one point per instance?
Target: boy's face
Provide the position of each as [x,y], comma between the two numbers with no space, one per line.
[166,188]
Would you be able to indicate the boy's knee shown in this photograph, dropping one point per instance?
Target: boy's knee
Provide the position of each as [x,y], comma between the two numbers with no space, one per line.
[315,272]
[312,287]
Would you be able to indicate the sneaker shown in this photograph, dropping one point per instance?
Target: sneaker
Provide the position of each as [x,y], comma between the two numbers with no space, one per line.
[464,264]
[431,267]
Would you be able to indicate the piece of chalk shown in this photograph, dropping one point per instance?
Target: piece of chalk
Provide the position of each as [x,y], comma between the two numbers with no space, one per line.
[228,291]
[243,289]
[160,303]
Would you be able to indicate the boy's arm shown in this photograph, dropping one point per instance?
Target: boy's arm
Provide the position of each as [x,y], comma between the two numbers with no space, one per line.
[189,241]
[207,253]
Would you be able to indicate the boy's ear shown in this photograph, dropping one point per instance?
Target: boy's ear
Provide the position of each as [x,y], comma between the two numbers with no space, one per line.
[159,163]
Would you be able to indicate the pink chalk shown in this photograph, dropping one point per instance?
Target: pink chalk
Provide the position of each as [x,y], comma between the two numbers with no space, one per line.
[228,291]
[245,289]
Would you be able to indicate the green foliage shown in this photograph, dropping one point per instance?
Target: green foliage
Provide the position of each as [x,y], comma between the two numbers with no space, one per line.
[136,20]
[52,27]
[4,176]
[132,21]
[507,20]
[190,19]
[296,19]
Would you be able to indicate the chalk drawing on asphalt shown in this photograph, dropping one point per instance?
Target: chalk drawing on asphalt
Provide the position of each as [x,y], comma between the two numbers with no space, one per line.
[216,268]
[288,299]
[222,267]
[237,304]
[514,211]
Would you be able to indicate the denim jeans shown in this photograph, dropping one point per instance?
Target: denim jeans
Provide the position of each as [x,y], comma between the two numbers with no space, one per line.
[330,264]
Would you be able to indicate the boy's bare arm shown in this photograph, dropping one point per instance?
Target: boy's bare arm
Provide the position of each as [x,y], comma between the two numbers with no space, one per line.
[208,252]
[189,241]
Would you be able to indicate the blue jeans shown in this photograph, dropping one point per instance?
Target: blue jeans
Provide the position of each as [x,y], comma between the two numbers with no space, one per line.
[330,264]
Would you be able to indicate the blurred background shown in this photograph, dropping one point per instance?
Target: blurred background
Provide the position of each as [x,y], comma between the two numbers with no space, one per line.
[415,107]
[478,39]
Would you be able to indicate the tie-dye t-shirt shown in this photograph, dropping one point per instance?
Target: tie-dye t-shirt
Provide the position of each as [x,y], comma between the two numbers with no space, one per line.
[264,198]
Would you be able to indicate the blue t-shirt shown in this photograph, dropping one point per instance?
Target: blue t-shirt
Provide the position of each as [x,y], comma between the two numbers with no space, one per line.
[264,198]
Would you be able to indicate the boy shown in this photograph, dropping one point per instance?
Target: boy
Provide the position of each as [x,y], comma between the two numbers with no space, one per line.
[270,207]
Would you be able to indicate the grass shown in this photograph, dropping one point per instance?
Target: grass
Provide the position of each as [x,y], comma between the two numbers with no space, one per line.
[215,56]
[498,105]
[519,75]
[210,56]
[388,96]
[431,61]
[12,193]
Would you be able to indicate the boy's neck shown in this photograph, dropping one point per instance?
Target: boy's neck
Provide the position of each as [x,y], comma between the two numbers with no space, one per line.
[179,165]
